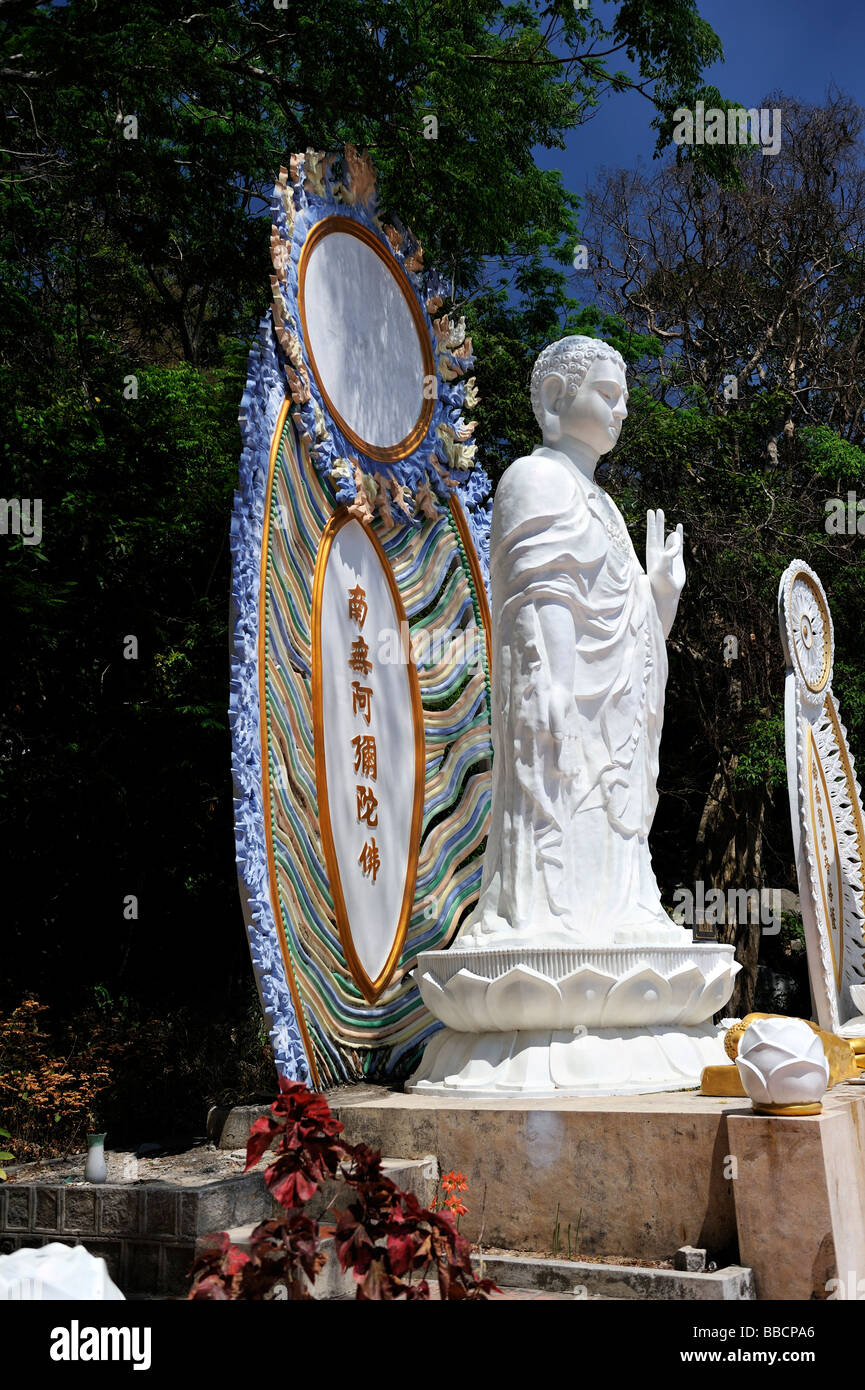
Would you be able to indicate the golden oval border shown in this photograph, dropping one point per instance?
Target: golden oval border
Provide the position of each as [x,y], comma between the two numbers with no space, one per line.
[813,756]
[820,685]
[371,989]
[322,229]
[264,740]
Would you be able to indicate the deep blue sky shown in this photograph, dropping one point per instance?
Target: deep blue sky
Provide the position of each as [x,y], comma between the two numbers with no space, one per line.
[796,46]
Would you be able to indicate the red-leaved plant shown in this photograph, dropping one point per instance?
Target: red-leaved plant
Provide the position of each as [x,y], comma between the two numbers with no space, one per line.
[384,1235]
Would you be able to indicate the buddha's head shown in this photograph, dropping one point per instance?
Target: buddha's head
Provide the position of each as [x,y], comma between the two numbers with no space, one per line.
[579,392]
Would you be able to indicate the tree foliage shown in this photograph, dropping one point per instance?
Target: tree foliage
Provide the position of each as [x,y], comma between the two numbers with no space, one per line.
[744,427]
[139,146]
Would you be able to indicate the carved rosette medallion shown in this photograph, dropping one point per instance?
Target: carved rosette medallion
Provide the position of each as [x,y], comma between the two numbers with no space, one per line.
[806,627]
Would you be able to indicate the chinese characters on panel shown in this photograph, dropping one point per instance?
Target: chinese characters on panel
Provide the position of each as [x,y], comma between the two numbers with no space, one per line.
[363,744]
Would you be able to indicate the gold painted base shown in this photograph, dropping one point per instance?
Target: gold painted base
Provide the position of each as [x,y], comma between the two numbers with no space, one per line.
[809,1108]
[722,1081]
[840,1052]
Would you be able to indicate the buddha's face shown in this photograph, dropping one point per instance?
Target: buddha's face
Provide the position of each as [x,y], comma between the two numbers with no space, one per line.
[595,414]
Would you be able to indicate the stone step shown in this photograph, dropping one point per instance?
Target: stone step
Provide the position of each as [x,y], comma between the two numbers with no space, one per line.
[144,1228]
[510,1295]
[331,1282]
[228,1126]
[523,1295]
[229,1129]
[145,1221]
[417,1175]
[526,1280]
[583,1279]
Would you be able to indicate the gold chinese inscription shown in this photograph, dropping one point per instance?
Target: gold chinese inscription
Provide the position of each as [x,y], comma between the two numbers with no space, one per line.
[359,659]
[357,609]
[361,699]
[368,859]
[366,806]
[365,756]
[363,745]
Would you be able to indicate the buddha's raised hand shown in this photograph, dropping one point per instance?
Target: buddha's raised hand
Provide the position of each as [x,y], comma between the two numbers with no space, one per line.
[665,566]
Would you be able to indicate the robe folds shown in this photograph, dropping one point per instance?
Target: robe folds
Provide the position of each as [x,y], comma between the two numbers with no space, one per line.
[578,680]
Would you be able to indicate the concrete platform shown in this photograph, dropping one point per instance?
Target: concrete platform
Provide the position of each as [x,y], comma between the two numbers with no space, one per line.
[800,1198]
[145,1230]
[523,1278]
[647,1174]
[582,1279]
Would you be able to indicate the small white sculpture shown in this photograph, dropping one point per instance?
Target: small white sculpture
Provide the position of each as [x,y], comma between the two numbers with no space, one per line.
[570,977]
[783,1066]
[579,671]
[56,1272]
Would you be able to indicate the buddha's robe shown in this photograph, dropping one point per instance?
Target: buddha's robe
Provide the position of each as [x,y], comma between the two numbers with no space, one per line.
[573,621]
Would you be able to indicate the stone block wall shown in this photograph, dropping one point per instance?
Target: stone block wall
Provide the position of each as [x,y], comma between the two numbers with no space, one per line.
[145,1232]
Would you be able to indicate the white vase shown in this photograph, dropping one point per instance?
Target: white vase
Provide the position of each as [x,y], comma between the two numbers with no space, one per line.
[95,1169]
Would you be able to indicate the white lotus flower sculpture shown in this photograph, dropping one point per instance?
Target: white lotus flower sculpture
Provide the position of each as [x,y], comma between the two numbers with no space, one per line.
[574,1020]
[640,992]
[783,1066]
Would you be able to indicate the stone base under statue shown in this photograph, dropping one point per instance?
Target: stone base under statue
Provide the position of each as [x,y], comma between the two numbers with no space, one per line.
[578,1021]
[605,1062]
[639,1176]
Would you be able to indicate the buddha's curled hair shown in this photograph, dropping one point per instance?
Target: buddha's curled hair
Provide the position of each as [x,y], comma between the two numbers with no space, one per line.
[569,358]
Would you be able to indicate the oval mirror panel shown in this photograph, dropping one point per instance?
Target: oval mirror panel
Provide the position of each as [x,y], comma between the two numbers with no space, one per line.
[366,338]
[369,748]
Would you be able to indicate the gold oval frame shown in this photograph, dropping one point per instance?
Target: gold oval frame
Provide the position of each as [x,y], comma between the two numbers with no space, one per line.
[370,989]
[815,687]
[326,227]
[812,757]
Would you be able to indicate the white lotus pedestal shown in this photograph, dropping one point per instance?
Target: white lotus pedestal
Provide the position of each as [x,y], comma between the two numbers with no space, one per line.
[533,1021]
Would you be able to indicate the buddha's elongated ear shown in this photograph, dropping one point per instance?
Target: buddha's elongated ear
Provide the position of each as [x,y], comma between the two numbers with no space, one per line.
[553,389]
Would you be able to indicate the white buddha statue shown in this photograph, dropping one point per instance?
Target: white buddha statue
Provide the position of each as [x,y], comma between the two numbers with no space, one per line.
[579,669]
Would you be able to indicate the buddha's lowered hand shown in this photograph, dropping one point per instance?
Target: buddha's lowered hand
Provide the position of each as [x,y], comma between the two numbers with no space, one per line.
[564,726]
